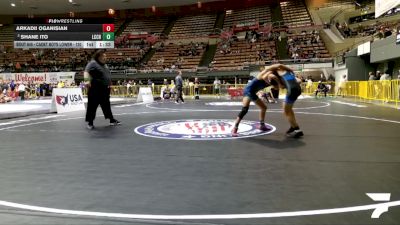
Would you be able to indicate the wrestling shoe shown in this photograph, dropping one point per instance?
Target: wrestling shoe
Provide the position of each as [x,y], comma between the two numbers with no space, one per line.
[234,132]
[264,128]
[90,126]
[294,132]
[114,122]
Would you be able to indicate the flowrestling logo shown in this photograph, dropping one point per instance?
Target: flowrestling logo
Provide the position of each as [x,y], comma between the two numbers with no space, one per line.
[200,129]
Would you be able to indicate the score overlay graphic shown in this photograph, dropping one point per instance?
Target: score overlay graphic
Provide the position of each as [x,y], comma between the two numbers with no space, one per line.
[91,33]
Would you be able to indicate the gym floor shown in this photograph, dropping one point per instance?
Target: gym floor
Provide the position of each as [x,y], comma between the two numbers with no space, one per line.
[136,174]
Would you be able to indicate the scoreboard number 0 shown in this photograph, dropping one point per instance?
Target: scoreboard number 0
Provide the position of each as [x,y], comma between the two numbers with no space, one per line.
[108,27]
[108,36]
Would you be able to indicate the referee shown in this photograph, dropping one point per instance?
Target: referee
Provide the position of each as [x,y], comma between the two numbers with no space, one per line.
[98,81]
[179,86]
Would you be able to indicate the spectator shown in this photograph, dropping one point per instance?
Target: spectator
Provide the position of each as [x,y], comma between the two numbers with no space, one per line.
[385,80]
[12,86]
[21,91]
[379,30]
[4,87]
[398,86]
[82,85]
[128,88]
[371,76]
[385,76]
[4,98]
[378,75]
[322,78]
[196,88]
[321,88]
[309,85]
[217,86]
[60,84]
[342,86]
[331,77]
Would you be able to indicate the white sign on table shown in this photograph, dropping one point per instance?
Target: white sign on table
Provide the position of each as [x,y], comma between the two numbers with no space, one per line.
[145,95]
[67,100]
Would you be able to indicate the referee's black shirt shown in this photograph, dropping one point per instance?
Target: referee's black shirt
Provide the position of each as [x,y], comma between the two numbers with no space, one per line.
[99,74]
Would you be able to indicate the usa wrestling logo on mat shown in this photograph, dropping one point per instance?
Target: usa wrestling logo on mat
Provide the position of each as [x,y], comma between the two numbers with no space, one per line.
[200,129]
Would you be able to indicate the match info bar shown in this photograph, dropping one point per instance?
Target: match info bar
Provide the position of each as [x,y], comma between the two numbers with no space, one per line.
[64,44]
[63,33]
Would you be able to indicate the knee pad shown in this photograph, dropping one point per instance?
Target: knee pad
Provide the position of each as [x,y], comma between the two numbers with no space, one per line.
[243,112]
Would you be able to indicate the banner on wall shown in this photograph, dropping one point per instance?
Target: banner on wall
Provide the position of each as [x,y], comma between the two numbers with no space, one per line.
[250,25]
[382,6]
[53,77]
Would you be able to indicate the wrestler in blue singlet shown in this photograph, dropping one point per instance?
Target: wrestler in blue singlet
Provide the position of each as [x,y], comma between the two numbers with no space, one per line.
[292,86]
[253,87]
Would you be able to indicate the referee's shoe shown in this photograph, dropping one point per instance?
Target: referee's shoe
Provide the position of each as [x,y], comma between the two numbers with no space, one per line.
[114,122]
